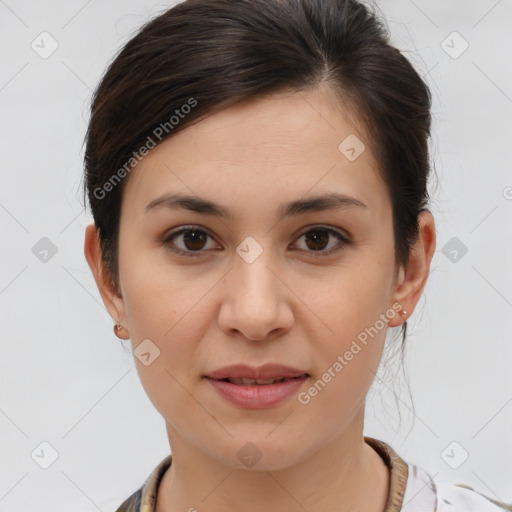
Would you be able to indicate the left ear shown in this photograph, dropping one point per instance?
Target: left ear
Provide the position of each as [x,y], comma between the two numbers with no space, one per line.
[413,277]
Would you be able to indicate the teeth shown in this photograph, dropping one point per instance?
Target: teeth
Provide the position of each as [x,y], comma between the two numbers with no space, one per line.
[250,382]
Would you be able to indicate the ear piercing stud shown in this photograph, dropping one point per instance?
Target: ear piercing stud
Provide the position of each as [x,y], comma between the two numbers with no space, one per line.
[117,328]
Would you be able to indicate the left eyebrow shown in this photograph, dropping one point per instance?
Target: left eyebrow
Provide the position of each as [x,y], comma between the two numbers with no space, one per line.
[332,201]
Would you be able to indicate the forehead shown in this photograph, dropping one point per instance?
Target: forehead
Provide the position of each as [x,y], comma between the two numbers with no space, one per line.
[277,146]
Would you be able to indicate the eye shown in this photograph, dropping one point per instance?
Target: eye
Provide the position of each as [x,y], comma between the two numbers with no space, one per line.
[194,240]
[317,239]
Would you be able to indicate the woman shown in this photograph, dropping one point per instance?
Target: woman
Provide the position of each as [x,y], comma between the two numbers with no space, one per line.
[257,172]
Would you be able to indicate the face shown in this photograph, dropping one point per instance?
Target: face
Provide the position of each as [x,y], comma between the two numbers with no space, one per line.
[312,288]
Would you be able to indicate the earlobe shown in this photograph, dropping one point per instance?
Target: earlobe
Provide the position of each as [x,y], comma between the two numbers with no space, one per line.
[92,252]
[413,277]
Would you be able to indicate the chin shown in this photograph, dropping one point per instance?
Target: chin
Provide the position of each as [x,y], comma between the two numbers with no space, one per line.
[260,452]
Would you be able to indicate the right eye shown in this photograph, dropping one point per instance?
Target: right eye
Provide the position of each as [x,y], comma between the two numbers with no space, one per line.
[191,238]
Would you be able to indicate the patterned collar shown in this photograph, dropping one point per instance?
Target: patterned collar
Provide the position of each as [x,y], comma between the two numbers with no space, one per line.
[411,489]
[144,500]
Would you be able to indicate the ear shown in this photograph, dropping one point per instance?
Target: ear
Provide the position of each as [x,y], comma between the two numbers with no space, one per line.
[113,302]
[413,277]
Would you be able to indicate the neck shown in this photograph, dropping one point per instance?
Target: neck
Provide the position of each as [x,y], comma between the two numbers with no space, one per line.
[345,475]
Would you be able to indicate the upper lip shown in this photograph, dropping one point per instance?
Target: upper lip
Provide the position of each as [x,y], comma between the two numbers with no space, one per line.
[267,371]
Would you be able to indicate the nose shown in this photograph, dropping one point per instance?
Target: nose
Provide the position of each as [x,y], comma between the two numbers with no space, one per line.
[256,300]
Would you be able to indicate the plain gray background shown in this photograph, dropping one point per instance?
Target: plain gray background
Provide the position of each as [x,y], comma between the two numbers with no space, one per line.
[67,381]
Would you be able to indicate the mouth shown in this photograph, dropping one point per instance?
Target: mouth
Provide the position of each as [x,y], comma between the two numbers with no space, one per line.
[243,374]
[257,387]
[262,393]
[241,381]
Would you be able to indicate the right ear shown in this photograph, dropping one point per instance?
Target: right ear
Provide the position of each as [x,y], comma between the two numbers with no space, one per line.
[92,251]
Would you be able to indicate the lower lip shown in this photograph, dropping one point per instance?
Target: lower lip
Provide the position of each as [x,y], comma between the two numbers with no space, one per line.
[258,396]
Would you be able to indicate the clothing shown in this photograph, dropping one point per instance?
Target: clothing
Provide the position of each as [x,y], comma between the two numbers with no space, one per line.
[411,489]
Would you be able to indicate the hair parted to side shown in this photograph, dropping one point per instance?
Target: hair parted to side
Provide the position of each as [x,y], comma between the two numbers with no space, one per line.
[202,56]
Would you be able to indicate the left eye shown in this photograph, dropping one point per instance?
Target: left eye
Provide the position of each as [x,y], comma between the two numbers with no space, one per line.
[316,239]
[193,240]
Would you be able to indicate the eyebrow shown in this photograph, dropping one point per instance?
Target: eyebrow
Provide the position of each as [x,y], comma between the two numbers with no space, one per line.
[332,201]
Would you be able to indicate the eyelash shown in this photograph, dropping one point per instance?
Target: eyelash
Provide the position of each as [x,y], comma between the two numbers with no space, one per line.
[166,241]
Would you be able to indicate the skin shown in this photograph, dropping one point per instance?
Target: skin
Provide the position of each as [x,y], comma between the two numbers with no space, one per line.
[291,305]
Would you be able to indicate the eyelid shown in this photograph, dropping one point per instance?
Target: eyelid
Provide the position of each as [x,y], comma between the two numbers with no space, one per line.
[336,230]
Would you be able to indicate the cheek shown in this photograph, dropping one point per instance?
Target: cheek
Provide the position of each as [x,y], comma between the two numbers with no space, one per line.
[353,298]
[159,298]
[354,310]
[165,325]
[166,304]
[345,367]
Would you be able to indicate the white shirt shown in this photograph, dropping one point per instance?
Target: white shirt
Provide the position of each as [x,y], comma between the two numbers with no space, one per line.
[424,494]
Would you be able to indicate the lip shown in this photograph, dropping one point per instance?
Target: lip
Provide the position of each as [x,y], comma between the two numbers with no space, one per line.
[258,396]
[267,371]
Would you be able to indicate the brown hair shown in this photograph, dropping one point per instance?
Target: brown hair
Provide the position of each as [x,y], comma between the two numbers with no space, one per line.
[201,56]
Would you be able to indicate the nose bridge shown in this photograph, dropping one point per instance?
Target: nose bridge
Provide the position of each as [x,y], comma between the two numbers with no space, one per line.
[257,283]
[254,300]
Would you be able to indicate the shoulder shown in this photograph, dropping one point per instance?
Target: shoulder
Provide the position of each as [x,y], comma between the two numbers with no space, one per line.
[455,497]
[428,494]
[144,498]
[133,503]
